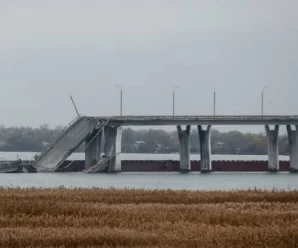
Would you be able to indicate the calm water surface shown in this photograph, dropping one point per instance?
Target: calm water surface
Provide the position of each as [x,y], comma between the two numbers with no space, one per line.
[155,180]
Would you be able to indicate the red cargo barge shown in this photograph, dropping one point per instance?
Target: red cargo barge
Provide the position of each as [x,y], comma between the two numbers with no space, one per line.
[196,166]
[171,165]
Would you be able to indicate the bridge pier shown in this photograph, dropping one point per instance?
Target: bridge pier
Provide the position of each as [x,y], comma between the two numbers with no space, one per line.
[205,148]
[273,151]
[112,147]
[293,145]
[184,148]
[93,149]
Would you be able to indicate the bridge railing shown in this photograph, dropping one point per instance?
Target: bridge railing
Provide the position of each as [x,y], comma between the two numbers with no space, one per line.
[202,117]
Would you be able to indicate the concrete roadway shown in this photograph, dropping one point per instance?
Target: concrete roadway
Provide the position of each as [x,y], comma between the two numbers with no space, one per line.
[200,120]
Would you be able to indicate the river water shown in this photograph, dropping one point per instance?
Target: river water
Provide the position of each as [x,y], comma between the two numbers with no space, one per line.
[153,180]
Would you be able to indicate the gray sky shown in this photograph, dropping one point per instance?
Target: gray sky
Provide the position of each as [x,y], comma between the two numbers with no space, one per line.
[51,48]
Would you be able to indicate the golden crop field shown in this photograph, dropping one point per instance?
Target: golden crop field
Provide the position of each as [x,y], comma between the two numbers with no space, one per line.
[140,218]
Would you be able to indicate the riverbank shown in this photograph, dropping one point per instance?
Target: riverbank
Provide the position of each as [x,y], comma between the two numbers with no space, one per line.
[140,218]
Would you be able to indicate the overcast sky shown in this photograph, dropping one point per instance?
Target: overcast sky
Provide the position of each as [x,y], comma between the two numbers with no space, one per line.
[49,49]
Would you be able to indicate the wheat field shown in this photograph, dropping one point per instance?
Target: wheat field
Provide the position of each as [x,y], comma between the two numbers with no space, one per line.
[140,218]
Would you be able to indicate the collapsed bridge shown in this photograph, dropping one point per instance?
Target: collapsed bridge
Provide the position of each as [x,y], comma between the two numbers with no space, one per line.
[103,135]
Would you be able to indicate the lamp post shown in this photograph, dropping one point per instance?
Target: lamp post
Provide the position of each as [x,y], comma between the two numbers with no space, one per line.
[214,103]
[120,97]
[262,100]
[176,87]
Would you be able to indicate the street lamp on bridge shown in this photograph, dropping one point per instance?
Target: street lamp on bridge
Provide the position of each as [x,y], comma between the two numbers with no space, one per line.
[262,100]
[117,85]
[176,87]
[214,102]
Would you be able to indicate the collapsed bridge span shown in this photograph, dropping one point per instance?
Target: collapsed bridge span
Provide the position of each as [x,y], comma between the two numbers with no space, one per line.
[70,139]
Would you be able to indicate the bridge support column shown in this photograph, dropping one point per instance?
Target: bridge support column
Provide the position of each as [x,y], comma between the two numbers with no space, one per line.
[293,144]
[184,148]
[205,148]
[93,149]
[113,139]
[272,140]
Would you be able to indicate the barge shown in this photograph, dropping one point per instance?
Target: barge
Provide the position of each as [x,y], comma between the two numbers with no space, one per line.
[172,165]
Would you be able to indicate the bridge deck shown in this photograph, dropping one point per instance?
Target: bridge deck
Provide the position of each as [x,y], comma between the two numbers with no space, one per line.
[201,120]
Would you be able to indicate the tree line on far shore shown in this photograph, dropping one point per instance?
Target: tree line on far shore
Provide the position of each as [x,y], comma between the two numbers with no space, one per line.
[233,142]
[143,141]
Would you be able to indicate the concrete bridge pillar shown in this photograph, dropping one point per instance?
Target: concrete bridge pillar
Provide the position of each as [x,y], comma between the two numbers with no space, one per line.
[205,148]
[112,147]
[93,149]
[272,140]
[184,148]
[293,145]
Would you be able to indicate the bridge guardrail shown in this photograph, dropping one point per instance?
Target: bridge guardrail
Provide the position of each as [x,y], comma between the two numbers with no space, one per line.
[129,118]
